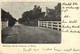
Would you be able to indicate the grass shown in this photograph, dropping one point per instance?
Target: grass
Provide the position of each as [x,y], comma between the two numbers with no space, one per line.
[27,34]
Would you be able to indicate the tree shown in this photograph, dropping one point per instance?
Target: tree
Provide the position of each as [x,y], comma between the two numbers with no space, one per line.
[31,17]
[6,16]
[53,14]
[58,11]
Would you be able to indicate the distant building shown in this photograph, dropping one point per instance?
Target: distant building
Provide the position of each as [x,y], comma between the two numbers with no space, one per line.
[17,23]
[4,24]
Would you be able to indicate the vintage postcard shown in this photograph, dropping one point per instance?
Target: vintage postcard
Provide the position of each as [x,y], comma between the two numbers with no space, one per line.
[40,27]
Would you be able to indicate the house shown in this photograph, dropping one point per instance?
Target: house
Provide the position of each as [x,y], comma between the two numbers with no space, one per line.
[4,24]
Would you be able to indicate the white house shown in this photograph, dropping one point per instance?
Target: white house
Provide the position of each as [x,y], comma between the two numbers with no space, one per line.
[4,24]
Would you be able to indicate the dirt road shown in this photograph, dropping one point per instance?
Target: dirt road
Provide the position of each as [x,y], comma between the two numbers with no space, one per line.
[27,34]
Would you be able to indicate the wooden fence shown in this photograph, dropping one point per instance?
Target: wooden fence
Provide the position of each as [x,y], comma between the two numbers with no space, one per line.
[4,24]
[50,24]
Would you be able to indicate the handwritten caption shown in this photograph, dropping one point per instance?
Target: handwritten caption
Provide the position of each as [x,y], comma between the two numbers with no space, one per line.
[35,48]
[70,24]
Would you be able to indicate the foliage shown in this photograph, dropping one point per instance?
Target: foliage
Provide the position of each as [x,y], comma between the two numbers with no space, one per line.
[6,16]
[30,18]
[58,11]
[53,14]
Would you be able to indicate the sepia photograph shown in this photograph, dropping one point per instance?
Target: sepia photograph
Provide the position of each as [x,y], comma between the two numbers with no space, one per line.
[31,22]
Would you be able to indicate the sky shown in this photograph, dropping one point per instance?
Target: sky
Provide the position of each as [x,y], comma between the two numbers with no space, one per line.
[16,9]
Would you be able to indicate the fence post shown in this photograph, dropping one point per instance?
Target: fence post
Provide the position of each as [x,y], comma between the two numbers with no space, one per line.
[52,24]
[58,26]
[39,23]
[47,24]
